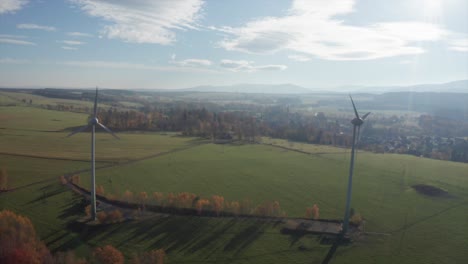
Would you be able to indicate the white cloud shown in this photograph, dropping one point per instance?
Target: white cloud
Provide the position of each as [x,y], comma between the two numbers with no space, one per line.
[299,57]
[11,6]
[13,61]
[311,28]
[79,34]
[72,42]
[16,42]
[12,36]
[69,48]
[459,45]
[248,66]
[35,26]
[191,62]
[144,21]
[131,66]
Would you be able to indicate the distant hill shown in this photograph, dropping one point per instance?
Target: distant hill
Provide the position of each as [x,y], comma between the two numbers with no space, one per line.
[450,87]
[252,88]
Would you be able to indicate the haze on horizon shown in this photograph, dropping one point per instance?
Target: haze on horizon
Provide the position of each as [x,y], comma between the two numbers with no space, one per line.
[186,43]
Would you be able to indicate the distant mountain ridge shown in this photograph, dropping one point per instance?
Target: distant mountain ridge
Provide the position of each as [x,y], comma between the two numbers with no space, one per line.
[252,88]
[460,86]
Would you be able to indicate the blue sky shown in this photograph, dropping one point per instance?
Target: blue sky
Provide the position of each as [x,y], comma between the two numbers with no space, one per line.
[185,43]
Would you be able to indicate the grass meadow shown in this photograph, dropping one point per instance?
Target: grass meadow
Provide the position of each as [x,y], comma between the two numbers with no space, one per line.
[414,228]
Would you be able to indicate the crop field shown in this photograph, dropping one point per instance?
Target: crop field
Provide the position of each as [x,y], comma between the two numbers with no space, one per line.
[406,226]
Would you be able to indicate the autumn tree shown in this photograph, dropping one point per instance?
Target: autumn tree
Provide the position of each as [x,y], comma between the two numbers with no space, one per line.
[142,198]
[102,217]
[171,198]
[156,256]
[63,180]
[356,219]
[114,216]
[312,212]
[108,254]
[18,241]
[88,210]
[158,198]
[100,190]
[200,204]
[128,196]
[75,179]
[315,212]
[234,207]
[185,199]
[3,179]
[218,203]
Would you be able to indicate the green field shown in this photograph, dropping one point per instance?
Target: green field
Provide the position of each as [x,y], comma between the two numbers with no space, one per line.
[418,228]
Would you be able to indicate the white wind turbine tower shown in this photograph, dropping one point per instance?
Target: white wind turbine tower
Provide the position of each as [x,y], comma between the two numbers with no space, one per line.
[357,122]
[93,122]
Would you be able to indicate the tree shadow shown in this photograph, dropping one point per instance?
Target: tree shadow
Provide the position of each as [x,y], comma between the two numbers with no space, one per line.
[47,192]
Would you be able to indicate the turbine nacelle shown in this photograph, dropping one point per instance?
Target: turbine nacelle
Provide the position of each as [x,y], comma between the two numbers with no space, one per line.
[357,121]
[94,121]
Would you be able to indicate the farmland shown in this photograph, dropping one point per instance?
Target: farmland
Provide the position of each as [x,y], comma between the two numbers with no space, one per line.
[413,228]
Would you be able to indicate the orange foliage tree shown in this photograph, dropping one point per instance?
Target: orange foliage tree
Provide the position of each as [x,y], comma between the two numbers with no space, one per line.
[185,199]
[63,180]
[102,217]
[108,254]
[158,198]
[75,179]
[18,241]
[128,196]
[200,204]
[153,257]
[114,216]
[218,203]
[234,207]
[142,198]
[313,212]
[170,199]
[100,190]
[88,210]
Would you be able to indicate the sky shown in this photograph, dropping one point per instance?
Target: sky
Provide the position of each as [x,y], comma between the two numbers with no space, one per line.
[144,44]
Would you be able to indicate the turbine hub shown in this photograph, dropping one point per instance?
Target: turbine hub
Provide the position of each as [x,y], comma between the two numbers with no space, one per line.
[94,121]
[357,121]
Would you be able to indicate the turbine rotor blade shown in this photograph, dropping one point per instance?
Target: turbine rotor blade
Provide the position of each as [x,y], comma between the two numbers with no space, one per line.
[364,116]
[81,129]
[354,107]
[95,103]
[108,130]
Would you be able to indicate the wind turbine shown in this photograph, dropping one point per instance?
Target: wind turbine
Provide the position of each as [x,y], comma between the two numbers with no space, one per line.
[93,122]
[357,122]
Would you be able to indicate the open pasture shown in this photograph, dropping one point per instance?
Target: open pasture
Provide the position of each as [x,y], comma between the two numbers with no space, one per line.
[382,192]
